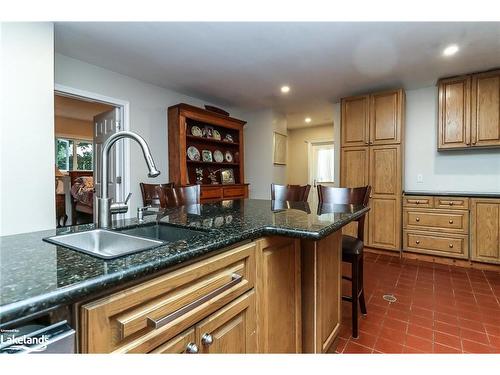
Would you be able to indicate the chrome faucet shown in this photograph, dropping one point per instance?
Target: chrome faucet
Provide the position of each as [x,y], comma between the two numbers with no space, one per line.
[103,207]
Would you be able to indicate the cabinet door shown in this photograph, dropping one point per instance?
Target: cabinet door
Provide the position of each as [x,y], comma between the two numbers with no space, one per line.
[486,109]
[454,113]
[232,329]
[182,343]
[386,117]
[385,223]
[279,295]
[385,170]
[485,230]
[355,121]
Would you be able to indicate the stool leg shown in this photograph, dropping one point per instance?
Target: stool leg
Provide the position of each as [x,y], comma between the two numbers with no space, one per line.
[355,291]
[362,304]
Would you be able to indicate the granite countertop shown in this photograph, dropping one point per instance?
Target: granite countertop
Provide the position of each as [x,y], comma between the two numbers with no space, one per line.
[36,275]
[455,194]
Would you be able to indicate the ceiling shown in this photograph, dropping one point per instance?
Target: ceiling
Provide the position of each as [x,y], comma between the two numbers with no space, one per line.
[78,109]
[245,64]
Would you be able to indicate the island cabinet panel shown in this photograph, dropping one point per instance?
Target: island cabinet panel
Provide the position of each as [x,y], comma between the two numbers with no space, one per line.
[486,109]
[485,230]
[180,344]
[321,292]
[146,316]
[278,290]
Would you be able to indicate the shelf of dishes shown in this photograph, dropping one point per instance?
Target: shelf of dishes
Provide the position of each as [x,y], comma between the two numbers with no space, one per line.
[211,133]
[211,140]
[215,156]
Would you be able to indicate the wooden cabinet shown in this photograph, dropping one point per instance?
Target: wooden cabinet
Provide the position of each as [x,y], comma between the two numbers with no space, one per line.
[486,109]
[321,292]
[485,230]
[144,317]
[279,295]
[185,342]
[436,225]
[469,111]
[454,113]
[190,126]
[371,155]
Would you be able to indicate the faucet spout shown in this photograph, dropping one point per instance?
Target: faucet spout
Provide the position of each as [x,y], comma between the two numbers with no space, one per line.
[102,204]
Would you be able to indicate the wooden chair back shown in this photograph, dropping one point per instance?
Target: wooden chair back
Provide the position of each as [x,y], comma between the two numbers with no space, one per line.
[355,196]
[150,196]
[178,196]
[291,193]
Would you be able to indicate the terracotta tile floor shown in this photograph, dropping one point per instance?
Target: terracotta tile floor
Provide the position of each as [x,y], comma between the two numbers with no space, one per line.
[439,309]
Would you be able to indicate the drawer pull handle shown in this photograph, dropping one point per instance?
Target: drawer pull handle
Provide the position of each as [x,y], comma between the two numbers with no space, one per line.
[451,221]
[192,348]
[451,246]
[417,219]
[207,339]
[155,324]
[417,242]
[451,203]
[417,202]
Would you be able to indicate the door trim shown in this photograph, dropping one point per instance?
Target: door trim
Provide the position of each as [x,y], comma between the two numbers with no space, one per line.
[124,106]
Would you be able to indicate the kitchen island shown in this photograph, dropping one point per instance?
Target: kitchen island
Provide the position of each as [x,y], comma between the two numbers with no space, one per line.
[286,258]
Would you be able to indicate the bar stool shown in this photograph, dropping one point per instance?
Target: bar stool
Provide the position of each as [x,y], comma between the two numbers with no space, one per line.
[178,196]
[352,247]
[150,196]
[291,193]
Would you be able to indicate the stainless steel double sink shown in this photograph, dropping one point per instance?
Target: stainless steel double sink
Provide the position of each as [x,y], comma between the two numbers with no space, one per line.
[109,244]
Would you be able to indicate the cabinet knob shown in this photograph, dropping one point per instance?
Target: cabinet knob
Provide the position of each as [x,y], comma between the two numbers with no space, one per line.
[450,203]
[474,142]
[417,219]
[192,348]
[207,339]
[451,246]
[417,202]
[451,221]
[417,242]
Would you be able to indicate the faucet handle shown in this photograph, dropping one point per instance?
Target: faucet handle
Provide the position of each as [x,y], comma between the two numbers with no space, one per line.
[128,197]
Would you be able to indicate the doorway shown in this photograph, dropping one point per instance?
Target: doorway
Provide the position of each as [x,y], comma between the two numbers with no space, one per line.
[81,125]
[321,157]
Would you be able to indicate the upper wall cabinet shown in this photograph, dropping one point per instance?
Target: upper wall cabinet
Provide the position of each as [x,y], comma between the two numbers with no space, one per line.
[374,119]
[469,111]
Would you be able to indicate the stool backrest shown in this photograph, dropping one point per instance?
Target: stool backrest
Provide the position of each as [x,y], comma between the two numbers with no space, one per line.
[356,196]
[291,193]
[178,196]
[150,196]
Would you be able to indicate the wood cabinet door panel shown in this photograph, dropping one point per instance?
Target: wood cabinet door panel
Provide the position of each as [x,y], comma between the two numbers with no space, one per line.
[355,167]
[385,170]
[355,121]
[485,230]
[486,109]
[279,295]
[385,223]
[385,117]
[232,329]
[454,113]
[178,344]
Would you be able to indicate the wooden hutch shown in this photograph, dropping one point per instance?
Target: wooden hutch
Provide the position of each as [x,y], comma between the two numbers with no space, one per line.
[212,132]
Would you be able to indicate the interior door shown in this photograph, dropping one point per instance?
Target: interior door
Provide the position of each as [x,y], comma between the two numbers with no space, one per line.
[321,167]
[106,124]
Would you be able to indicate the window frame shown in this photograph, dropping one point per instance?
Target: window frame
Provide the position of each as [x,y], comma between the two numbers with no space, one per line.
[76,141]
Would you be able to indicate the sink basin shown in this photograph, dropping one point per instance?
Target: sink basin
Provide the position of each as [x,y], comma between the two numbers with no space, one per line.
[104,243]
[167,233]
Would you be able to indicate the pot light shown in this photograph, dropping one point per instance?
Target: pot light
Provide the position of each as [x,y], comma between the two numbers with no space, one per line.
[308,120]
[450,50]
[285,89]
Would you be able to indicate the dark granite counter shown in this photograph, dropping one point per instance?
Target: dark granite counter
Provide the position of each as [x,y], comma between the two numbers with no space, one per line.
[454,194]
[35,275]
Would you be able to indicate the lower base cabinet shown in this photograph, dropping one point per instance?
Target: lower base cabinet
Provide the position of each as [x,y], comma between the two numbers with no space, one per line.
[485,230]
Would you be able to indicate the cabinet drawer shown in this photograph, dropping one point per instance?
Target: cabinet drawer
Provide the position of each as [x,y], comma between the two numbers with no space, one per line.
[456,245]
[234,191]
[418,201]
[211,192]
[141,318]
[437,220]
[451,203]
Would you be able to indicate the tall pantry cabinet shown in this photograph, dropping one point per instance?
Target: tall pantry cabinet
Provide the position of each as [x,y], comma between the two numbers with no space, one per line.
[372,133]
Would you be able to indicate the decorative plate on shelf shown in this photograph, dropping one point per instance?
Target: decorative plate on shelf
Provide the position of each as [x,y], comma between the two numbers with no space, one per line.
[229,157]
[218,157]
[216,135]
[228,138]
[193,153]
[206,155]
[196,131]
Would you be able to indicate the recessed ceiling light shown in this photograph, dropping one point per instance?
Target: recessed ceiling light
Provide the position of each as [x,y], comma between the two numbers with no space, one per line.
[285,89]
[450,50]
[308,120]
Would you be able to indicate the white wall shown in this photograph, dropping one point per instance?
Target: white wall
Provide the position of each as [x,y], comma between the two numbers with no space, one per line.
[148,113]
[470,170]
[27,195]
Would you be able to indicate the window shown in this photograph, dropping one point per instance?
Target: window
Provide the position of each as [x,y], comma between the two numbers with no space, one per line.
[322,162]
[74,154]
